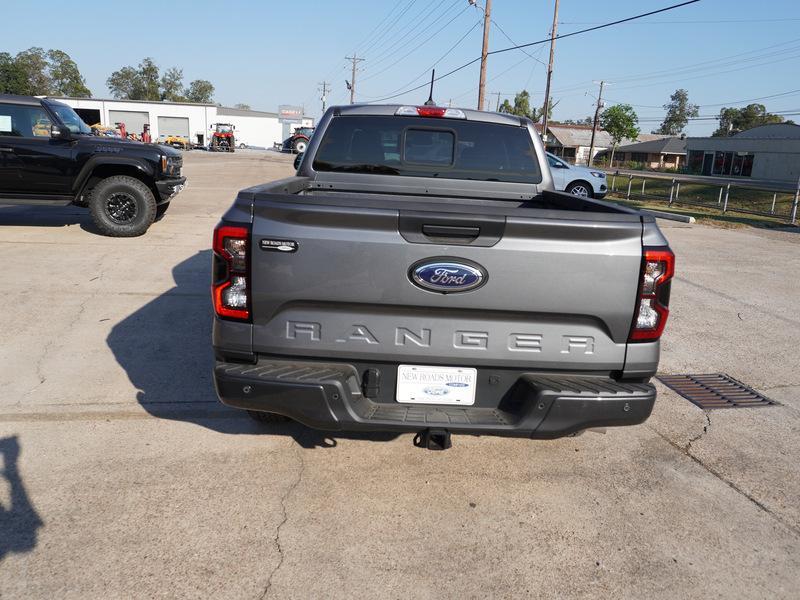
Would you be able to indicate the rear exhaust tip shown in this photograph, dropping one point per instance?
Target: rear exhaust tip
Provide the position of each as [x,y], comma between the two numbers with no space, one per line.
[433,439]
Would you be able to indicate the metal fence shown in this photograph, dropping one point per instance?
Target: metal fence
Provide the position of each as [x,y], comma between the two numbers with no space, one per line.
[726,197]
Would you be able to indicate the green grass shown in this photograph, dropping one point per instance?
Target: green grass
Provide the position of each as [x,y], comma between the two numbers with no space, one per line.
[707,216]
[708,197]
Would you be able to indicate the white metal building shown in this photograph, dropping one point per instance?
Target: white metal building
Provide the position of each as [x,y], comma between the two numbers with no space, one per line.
[193,121]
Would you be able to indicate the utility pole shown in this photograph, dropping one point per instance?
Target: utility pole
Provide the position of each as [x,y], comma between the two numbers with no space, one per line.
[497,104]
[352,84]
[487,19]
[546,106]
[594,125]
[325,88]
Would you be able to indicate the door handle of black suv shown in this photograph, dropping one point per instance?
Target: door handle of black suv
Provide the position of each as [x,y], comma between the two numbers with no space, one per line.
[2,149]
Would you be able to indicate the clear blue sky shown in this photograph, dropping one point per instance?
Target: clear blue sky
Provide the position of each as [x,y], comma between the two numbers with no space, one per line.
[271,53]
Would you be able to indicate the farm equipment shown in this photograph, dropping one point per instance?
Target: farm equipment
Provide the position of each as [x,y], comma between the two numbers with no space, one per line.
[298,142]
[222,140]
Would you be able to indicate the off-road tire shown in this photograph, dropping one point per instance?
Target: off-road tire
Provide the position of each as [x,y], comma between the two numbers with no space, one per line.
[134,204]
[298,144]
[266,417]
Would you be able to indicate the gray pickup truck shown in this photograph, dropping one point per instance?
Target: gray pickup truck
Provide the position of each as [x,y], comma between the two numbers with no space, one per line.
[420,274]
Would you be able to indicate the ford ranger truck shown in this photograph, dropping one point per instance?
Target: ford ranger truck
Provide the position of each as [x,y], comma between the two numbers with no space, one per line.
[420,274]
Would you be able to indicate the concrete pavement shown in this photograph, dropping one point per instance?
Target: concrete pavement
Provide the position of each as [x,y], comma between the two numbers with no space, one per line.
[123,477]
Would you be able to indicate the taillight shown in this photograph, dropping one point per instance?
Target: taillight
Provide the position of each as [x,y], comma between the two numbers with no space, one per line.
[658,267]
[230,289]
[430,111]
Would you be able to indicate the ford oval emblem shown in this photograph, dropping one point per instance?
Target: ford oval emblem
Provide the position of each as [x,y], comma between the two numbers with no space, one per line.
[447,277]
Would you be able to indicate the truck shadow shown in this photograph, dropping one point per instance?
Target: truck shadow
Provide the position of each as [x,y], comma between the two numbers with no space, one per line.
[19,521]
[47,216]
[165,349]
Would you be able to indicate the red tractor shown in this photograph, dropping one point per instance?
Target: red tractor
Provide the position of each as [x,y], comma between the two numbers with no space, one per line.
[298,142]
[222,140]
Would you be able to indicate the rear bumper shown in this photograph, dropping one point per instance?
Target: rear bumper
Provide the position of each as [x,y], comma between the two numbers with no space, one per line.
[167,188]
[328,396]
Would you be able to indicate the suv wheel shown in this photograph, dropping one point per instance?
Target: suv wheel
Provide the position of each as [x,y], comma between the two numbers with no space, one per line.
[579,188]
[122,206]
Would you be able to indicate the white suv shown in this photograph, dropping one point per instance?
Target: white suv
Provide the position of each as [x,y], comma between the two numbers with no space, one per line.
[579,181]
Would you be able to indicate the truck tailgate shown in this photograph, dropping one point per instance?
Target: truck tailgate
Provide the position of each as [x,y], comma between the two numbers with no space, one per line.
[559,294]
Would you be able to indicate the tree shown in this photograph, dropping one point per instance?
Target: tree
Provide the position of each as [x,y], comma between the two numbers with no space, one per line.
[585,121]
[734,120]
[200,91]
[12,77]
[522,107]
[172,85]
[136,83]
[242,106]
[65,77]
[620,121]
[123,83]
[679,111]
[33,63]
[36,72]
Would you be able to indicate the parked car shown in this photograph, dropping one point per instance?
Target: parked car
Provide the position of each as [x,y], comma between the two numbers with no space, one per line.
[575,180]
[50,157]
[420,274]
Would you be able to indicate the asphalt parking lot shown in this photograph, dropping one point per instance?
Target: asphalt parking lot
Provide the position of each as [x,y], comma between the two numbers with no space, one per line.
[124,477]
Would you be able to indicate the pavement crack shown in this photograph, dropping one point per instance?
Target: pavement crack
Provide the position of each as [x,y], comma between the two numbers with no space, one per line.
[277,538]
[706,427]
[752,499]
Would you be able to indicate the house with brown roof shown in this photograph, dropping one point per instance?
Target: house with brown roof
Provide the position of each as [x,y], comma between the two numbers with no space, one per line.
[661,153]
[572,142]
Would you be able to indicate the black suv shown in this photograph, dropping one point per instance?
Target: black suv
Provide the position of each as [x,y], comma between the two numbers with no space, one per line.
[49,157]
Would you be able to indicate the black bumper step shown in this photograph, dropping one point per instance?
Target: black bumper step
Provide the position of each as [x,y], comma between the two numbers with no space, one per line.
[328,396]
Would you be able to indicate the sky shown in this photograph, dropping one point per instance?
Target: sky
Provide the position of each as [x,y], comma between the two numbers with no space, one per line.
[266,53]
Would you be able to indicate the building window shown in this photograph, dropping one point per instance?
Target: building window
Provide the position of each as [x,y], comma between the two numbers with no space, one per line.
[695,162]
[639,157]
[742,164]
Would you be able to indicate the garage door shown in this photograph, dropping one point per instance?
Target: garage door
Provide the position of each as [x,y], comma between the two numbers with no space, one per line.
[173,126]
[134,120]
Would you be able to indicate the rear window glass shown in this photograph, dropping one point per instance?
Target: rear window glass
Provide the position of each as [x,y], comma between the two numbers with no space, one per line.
[427,147]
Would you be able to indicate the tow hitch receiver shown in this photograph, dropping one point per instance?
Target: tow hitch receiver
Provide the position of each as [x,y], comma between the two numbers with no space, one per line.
[433,439]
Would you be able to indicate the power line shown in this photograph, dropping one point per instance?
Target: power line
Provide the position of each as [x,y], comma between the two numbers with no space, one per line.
[712,64]
[380,38]
[391,49]
[442,57]
[516,47]
[687,22]
[410,52]
[729,102]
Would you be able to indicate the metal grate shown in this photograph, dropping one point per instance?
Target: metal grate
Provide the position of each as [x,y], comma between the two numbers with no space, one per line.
[716,390]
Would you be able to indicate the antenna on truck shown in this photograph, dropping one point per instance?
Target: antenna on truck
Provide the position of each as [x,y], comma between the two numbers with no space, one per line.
[429,101]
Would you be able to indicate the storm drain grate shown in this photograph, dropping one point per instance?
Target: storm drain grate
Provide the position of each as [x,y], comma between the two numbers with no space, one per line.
[716,390]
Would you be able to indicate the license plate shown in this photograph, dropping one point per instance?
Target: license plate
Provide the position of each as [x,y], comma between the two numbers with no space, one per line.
[436,385]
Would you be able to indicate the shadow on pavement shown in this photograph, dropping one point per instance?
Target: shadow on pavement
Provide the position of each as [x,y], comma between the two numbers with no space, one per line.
[19,521]
[47,216]
[165,348]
